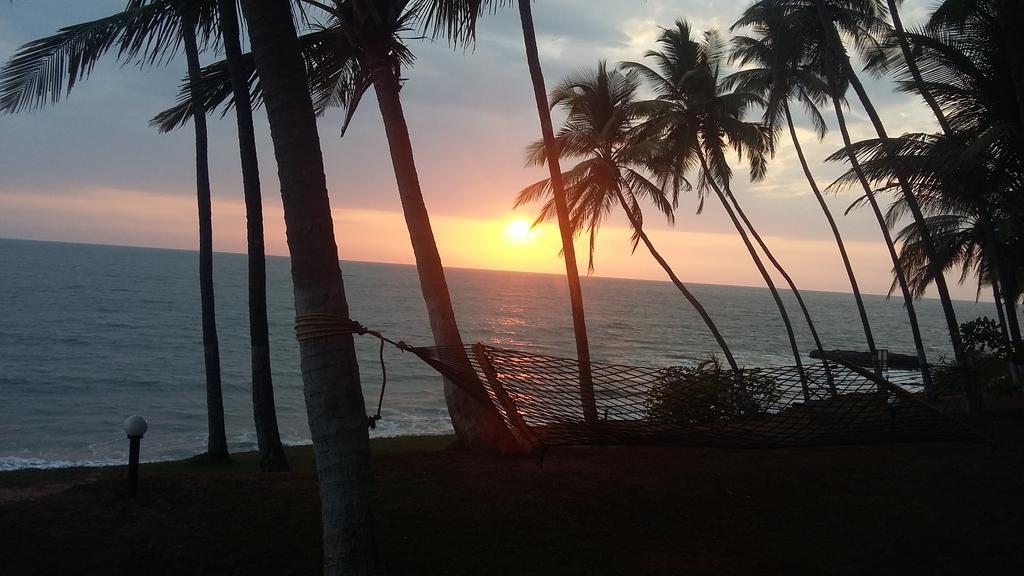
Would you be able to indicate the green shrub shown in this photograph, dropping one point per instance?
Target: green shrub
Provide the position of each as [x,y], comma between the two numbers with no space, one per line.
[988,356]
[708,393]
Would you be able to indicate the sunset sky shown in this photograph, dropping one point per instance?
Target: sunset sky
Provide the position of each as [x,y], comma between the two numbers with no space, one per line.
[92,170]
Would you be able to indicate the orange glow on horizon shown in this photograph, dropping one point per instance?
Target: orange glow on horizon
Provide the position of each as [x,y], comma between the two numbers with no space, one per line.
[501,242]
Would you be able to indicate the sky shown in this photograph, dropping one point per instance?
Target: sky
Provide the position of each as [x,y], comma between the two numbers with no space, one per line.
[91,169]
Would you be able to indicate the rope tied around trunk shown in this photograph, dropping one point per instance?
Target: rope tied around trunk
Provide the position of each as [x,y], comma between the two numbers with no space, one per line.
[312,326]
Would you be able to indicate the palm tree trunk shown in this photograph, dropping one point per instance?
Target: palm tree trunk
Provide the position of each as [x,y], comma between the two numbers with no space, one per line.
[562,211]
[217,442]
[1006,278]
[792,286]
[1001,307]
[997,299]
[477,425]
[764,274]
[901,278]
[915,210]
[330,372]
[701,311]
[929,246]
[861,309]
[915,71]
[1011,20]
[268,437]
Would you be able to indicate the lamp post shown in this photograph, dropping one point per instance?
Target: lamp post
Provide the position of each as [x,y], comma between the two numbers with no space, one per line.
[135,428]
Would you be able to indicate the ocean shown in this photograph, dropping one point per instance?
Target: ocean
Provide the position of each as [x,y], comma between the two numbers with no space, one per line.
[92,334]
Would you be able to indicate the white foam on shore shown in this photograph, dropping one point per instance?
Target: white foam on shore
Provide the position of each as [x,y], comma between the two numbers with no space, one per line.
[17,463]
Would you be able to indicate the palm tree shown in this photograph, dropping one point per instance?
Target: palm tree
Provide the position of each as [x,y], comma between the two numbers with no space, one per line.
[820,24]
[359,46]
[960,191]
[330,372]
[1011,21]
[972,170]
[600,132]
[147,31]
[572,273]
[911,63]
[861,24]
[771,68]
[272,456]
[890,244]
[967,65]
[700,122]
[217,446]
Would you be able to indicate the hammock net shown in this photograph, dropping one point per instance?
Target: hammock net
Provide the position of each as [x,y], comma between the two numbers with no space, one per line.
[541,401]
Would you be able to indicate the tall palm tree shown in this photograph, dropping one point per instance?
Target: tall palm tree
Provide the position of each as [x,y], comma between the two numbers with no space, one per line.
[217,445]
[700,122]
[860,24]
[330,372]
[358,46]
[967,64]
[890,244]
[771,67]
[572,273]
[268,437]
[822,23]
[148,31]
[601,132]
[953,186]
[972,169]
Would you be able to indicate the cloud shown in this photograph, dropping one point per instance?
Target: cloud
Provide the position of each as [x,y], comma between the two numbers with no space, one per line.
[470,112]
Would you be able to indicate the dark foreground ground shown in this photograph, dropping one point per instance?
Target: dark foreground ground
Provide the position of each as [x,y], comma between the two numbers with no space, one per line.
[940,508]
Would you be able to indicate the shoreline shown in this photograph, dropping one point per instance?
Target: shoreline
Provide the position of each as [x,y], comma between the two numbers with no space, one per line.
[48,465]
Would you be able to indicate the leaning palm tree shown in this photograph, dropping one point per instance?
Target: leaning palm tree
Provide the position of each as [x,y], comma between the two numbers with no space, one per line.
[771,67]
[965,193]
[823,24]
[700,122]
[572,273]
[819,24]
[358,45]
[330,372]
[960,63]
[973,167]
[147,31]
[600,132]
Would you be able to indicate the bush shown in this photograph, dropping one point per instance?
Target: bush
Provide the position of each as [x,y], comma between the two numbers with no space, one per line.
[988,357]
[708,393]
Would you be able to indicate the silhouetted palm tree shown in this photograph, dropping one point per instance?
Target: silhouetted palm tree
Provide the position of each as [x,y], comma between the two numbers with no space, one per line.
[823,24]
[700,122]
[572,273]
[907,52]
[966,64]
[268,437]
[147,31]
[357,46]
[330,372]
[771,68]
[600,132]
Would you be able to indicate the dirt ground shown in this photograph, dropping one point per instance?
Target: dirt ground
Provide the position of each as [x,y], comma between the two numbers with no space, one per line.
[934,508]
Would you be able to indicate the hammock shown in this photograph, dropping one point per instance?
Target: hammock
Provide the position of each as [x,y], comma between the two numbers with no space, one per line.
[540,399]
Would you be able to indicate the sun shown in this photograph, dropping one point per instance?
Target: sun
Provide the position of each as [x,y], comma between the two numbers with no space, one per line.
[519,231]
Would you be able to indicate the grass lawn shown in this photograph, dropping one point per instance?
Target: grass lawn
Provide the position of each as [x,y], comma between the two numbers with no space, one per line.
[936,508]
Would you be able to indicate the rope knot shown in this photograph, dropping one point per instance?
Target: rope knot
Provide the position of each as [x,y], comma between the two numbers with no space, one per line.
[310,326]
